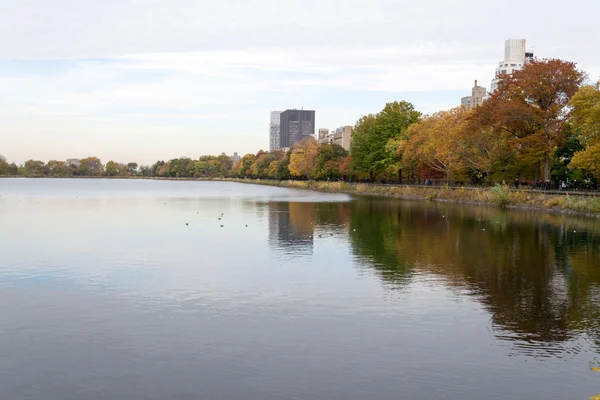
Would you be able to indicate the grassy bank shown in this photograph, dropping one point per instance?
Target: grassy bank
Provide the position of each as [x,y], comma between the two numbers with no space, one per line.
[499,196]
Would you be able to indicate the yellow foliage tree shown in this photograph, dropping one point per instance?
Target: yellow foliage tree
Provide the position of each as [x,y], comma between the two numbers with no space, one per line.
[302,159]
[588,160]
[586,122]
[432,142]
[586,112]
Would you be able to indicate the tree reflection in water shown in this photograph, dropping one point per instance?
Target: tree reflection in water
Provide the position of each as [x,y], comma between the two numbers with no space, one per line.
[537,274]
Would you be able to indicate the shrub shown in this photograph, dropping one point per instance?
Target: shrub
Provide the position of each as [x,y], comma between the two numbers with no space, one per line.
[501,195]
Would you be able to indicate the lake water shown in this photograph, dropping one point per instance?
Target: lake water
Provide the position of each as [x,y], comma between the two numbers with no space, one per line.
[134,289]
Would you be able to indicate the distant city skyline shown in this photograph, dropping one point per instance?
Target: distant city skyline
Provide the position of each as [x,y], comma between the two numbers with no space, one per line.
[147,80]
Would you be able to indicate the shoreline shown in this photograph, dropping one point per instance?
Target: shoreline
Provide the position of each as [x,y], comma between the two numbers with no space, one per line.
[584,204]
[521,199]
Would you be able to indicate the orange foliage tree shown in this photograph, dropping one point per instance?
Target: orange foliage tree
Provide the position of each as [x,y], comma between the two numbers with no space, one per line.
[532,105]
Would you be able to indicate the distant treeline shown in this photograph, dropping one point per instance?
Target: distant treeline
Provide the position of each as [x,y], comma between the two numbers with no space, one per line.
[542,123]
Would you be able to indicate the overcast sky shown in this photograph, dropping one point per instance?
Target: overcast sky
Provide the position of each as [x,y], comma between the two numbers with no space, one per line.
[141,80]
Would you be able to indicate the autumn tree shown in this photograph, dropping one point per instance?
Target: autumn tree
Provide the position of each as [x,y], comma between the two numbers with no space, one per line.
[225,165]
[35,168]
[346,170]
[302,158]
[7,169]
[156,167]
[182,167]
[586,112]
[432,142]
[586,124]
[113,168]
[73,165]
[242,168]
[372,133]
[58,168]
[262,166]
[482,149]
[90,166]
[162,169]
[532,105]
[206,166]
[4,168]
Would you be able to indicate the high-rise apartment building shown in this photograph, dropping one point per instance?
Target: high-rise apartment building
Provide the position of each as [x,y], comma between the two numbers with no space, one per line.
[323,137]
[515,56]
[477,97]
[295,125]
[342,136]
[235,158]
[274,131]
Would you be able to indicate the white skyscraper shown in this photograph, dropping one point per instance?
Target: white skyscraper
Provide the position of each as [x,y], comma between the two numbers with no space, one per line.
[515,56]
[274,131]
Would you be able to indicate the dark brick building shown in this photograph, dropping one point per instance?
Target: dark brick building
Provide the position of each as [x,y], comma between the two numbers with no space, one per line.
[295,125]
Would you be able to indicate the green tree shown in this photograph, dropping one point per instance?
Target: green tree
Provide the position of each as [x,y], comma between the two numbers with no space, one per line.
[145,170]
[328,160]
[12,169]
[561,159]
[132,168]
[283,170]
[369,146]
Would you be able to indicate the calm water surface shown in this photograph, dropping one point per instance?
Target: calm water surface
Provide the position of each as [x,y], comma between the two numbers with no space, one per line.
[106,293]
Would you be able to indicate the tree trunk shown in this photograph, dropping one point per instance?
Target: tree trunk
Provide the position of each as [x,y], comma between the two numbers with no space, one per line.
[372,176]
[400,175]
[546,168]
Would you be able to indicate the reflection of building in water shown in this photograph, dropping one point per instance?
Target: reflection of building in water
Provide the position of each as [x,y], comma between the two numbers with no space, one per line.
[291,227]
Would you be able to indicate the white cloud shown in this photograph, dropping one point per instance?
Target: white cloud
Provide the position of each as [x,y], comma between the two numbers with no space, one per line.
[177,76]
